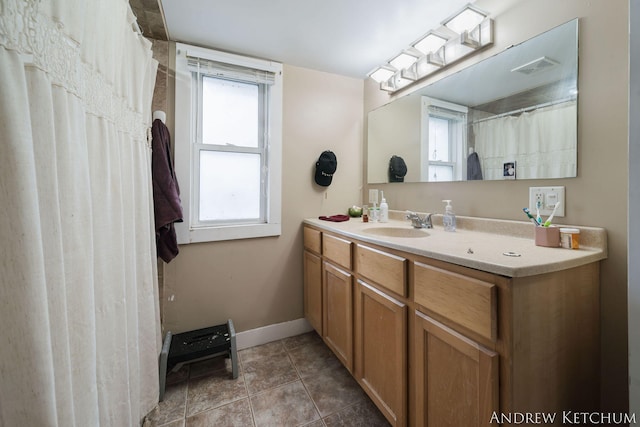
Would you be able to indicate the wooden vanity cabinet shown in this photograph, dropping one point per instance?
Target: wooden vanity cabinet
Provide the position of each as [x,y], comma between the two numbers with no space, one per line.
[364,325]
[436,344]
[337,293]
[380,325]
[381,350]
[312,263]
[386,270]
[456,378]
[507,344]
[328,291]
[338,312]
[313,290]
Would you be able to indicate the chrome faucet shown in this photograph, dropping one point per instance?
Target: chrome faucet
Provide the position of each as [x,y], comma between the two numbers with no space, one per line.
[419,222]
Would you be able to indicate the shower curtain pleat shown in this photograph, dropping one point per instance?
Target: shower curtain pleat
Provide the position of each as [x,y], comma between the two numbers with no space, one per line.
[541,142]
[23,294]
[78,285]
[50,220]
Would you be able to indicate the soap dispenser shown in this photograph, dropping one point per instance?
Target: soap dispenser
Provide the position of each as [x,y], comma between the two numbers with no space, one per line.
[449,218]
[384,210]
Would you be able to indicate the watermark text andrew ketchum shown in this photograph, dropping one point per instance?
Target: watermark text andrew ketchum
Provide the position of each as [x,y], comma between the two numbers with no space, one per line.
[564,417]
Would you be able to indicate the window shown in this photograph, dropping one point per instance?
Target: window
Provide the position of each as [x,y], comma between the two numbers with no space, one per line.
[228,145]
[443,140]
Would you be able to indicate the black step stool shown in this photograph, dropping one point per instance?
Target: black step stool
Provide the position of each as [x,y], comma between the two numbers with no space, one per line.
[197,345]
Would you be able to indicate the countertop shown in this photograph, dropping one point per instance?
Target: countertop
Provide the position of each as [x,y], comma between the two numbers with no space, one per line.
[480,243]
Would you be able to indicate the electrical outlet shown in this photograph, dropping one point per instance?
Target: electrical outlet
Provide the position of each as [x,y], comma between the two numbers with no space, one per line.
[548,198]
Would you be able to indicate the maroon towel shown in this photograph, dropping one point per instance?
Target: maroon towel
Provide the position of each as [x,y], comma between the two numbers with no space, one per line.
[334,218]
[166,193]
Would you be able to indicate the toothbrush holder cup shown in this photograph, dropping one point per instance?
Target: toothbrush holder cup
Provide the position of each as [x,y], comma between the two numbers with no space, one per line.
[547,236]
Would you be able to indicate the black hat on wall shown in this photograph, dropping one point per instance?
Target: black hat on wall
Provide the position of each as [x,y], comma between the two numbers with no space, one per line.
[325,168]
[397,169]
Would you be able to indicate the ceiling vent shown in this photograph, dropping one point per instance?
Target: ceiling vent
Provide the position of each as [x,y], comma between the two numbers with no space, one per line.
[537,65]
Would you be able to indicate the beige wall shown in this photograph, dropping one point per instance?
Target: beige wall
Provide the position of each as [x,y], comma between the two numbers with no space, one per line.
[598,196]
[401,139]
[258,282]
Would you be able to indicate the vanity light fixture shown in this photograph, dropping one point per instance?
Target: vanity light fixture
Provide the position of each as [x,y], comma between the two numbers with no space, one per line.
[431,42]
[382,74]
[404,60]
[437,57]
[465,20]
[462,34]
[424,66]
[397,81]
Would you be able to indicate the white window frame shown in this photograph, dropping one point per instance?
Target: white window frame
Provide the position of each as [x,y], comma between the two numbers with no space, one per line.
[457,141]
[186,159]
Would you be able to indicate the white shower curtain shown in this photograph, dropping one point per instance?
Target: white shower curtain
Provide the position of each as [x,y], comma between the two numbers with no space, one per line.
[79,321]
[541,142]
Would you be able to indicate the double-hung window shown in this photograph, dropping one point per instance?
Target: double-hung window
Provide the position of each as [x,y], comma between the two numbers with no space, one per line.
[444,138]
[228,145]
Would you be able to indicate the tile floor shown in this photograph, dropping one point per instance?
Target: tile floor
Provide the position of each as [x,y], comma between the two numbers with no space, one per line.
[292,382]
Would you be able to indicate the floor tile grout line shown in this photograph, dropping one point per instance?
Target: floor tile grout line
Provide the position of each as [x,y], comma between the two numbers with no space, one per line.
[186,403]
[211,373]
[315,405]
[283,385]
[186,399]
[246,389]
[299,378]
[295,366]
[353,404]
[184,411]
[215,407]
[304,384]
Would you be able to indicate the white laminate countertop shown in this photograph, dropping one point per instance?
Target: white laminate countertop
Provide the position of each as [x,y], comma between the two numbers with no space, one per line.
[480,243]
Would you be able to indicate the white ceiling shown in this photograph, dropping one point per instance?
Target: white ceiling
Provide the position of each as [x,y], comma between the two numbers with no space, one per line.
[347,37]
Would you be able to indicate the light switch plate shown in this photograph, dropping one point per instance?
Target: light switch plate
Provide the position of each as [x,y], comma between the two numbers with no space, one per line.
[548,197]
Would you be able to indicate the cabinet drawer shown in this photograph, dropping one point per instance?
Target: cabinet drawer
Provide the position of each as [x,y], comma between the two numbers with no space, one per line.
[469,302]
[337,250]
[312,239]
[382,268]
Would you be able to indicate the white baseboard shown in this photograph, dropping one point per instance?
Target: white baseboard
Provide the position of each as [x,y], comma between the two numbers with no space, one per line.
[270,333]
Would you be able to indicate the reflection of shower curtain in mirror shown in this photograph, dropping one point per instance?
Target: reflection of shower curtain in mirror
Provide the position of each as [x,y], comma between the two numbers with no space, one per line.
[542,142]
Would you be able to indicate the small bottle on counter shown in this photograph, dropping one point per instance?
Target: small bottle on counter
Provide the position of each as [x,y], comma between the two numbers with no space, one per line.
[384,210]
[365,214]
[449,218]
[570,238]
[373,214]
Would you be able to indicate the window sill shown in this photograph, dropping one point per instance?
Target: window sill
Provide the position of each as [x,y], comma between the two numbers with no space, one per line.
[227,232]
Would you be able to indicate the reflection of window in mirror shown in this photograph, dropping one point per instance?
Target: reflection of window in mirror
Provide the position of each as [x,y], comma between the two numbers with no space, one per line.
[443,140]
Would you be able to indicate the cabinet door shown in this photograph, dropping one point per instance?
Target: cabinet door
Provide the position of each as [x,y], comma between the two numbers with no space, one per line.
[313,290]
[338,313]
[456,379]
[381,351]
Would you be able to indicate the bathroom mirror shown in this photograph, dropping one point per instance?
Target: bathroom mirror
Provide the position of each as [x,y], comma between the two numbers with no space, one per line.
[510,116]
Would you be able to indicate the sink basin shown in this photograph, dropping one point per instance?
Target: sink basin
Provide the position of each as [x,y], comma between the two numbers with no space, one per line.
[396,232]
